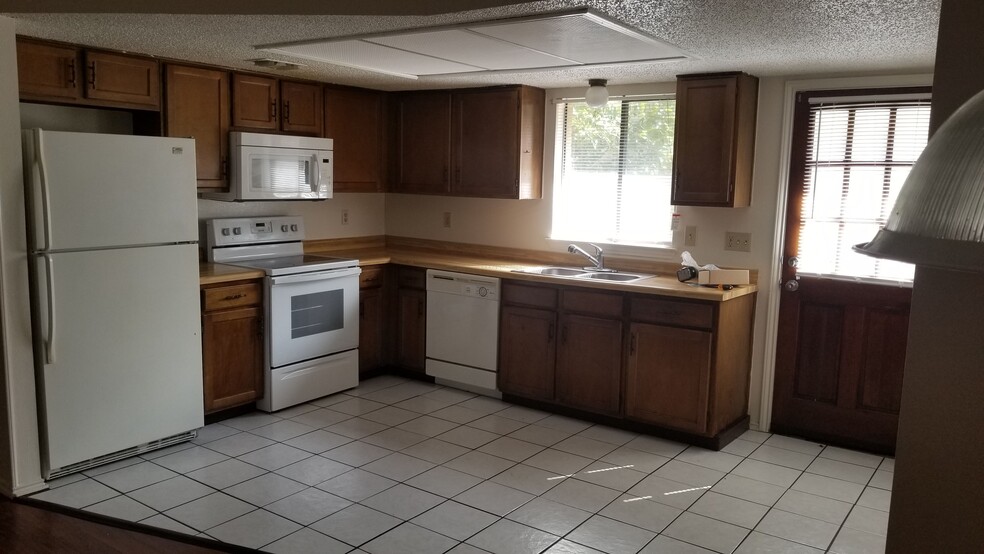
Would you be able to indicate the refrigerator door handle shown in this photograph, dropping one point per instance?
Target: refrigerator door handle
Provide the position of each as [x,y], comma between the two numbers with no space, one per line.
[49,342]
[43,175]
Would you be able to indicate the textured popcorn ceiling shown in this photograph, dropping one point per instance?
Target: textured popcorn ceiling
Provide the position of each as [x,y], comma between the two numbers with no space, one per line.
[761,37]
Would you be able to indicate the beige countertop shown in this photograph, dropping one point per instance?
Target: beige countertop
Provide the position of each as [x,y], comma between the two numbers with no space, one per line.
[209,273]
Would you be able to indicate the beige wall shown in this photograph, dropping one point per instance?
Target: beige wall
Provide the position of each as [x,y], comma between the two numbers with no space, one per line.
[20,466]
[323,220]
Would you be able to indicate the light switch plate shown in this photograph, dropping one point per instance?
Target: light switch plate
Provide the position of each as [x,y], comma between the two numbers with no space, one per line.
[690,236]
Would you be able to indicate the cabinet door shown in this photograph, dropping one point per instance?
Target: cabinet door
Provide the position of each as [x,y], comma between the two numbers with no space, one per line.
[255,101]
[370,329]
[196,105]
[233,357]
[589,363]
[527,352]
[485,143]
[123,79]
[302,108]
[424,149]
[354,119]
[668,376]
[47,72]
[411,335]
[703,150]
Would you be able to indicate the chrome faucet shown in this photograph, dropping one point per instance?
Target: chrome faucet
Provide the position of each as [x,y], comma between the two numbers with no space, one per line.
[598,259]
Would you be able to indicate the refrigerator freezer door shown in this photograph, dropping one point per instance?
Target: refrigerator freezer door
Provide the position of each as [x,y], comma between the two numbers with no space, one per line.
[89,191]
[126,352]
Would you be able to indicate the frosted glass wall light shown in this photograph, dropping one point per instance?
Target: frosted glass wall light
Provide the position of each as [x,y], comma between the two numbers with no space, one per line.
[597,95]
[938,219]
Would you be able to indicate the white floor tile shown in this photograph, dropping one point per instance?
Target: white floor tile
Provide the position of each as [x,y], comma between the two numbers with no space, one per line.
[740,447]
[852,457]
[888,464]
[251,421]
[647,514]
[423,405]
[308,506]
[239,444]
[813,506]
[544,436]
[527,478]
[398,467]
[165,451]
[427,426]
[841,470]
[706,532]
[637,459]
[314,470]
[390,415]
[357,485]
[882,479]
[226,474]
[782,457]
[610,435]
[665,491]
[719,461]
[797,528]
[878,499]
[479,464]
[469,437]
[409,538]
[620,478]
[852,541]
[173,492]
[444,481]
[758,543]
[547,515]
[511,449]
[494,498]
[828,487]
[520,413]
[497,424]
[759,492]
[485,404]
[394,439]
[318,441]
[452,396]
[78,494]
[209,511]
[666,545]
[564,423]
[509,537]
[213,432]
[254,529]
[275,456]
[265,489]
[356,406]
[106,468]
[122,507]
[690,474]
[455,520]
[356,453]
[296,410]
[658,446]
[766,472]
[75,477]
[729,509]
[757,437]
[798,445]
[584,446]
[191,459]
[435,451]
[563,463]
[306,541]
[356,428]
[283,430]
[564,546]
[356,524]
[868,520]
[579,494]
[403,502]
[611,536]
[332,399]
[161,521]
[135,476]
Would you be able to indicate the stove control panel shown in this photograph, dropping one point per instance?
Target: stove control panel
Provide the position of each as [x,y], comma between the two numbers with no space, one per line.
[241,231]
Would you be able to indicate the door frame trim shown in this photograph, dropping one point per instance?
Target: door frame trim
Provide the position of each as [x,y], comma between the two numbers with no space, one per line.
[774,275]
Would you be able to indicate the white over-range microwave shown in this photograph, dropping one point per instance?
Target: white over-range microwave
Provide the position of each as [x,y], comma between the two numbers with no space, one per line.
[277,167]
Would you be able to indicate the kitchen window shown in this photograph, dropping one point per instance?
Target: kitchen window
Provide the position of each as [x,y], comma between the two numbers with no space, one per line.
[860,149]
[612,172]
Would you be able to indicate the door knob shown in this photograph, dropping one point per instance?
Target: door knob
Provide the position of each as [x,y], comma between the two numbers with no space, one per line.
[792,285]
[793,261]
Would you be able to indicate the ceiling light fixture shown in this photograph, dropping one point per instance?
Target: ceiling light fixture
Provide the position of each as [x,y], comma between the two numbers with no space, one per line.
[597,94]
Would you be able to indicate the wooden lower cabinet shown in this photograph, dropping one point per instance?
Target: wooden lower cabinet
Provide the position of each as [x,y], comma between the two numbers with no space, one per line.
[589,364]
[372,317]
[232,345]
[527,352]
[667,376]
[411,319]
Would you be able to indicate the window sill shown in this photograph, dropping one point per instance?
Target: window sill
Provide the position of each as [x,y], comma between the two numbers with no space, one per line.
[649,251]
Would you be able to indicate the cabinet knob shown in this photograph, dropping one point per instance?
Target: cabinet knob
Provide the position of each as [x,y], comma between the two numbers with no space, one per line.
[71,73]
[92,75]
[273,109]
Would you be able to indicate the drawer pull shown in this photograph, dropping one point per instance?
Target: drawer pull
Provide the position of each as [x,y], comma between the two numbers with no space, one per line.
[235,296]
[632,344]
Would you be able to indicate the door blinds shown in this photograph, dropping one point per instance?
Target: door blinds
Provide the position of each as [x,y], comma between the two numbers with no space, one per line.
[859,152]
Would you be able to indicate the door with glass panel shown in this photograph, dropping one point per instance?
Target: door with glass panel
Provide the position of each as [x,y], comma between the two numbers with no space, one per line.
[844,317]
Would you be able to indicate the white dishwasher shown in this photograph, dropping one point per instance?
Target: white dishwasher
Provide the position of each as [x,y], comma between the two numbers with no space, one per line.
[463,330]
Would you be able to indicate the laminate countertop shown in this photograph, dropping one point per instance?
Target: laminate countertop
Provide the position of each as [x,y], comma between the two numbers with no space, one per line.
[664,282]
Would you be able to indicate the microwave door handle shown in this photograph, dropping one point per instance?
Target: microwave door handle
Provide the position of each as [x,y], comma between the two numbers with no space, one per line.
[316,183]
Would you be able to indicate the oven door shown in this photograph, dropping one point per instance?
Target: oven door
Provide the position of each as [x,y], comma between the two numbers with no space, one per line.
[312,315]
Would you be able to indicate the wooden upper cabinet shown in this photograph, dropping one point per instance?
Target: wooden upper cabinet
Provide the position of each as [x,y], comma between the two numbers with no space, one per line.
[354,119]
[301,108]
[197,106]
[493,147]
[714,140]
[423,142]
[123,79]
[255,101]
[47,71]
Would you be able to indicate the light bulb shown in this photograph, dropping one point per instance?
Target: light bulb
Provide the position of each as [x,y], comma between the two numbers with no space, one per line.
[597,95]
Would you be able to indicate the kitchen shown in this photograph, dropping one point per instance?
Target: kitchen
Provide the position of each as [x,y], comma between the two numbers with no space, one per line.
[476,221]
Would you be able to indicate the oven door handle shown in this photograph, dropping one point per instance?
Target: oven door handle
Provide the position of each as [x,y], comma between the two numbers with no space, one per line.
[319,276]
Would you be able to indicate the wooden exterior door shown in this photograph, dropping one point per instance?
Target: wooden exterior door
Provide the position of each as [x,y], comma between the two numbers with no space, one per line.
[842,336]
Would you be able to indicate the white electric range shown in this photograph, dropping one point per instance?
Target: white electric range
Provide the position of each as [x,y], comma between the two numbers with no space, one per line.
[312,307]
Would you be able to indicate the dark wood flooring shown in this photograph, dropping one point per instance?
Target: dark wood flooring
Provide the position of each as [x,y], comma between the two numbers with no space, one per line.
[27,528]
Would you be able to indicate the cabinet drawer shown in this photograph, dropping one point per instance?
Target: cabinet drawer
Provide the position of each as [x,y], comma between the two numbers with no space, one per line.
[587,302]
[232,296]
[671,312]
[412,278]
[371,278]
[526,295]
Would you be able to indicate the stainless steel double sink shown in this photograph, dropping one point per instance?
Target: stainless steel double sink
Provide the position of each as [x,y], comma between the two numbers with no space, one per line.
[575,273]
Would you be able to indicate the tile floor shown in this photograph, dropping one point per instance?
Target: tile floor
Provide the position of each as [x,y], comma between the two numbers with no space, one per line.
[399,466]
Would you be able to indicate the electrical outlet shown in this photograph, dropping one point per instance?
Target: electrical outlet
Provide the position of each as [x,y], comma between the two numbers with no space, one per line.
[447,220]
[345,218]
[738,242]
[690,236]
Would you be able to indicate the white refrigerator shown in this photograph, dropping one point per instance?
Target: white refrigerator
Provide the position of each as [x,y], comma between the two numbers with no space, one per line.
[112,233]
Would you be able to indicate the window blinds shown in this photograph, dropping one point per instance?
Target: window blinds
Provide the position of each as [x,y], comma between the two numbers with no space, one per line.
[859,153]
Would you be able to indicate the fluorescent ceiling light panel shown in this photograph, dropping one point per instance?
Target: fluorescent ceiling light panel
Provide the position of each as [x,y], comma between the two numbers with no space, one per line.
[550,41]
[472,49]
